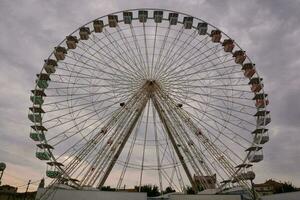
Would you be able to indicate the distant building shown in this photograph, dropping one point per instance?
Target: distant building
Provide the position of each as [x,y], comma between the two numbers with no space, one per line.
[268,187]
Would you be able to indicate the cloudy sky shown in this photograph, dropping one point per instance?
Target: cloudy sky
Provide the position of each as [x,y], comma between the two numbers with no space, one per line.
[268,30]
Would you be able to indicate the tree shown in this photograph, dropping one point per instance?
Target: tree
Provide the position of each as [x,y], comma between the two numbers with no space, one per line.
[107,188]
[189,190]
[168,190]
[285,187]
[151,190]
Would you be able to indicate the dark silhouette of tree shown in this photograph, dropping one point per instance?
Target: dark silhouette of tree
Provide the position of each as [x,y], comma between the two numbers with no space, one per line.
[189,190]
[168,190]
[151,190]
[285,187]
[107,188]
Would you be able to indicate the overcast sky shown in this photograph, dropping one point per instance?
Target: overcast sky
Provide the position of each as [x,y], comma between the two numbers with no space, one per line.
[268,30]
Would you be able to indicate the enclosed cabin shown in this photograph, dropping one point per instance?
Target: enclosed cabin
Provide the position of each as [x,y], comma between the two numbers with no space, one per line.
[84,33]
[143,16]
[188,22]
[37,135]
[255,154]
[190,143]
[199,132]
[98,25]
[216,36]
[173,18]
[50,66]
[127,17]
[202,28]
[244,176]
[179,105]
[110,141]
[103,130]
[228,45]
[112,21]
[249,70]
[71,41]
[256,84]
[239,56]
[261,100]
[42,151]
[261,136]
[37,97]
[53,169]
[263,117]
[60,53]
[35,114]
[42,80]
[158,16]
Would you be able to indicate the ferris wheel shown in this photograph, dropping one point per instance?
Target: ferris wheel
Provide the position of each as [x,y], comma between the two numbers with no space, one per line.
[149,96]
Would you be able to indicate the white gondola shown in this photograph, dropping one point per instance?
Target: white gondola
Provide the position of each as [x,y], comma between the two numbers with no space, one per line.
[127,17]
[71,41]
[50,66]
[188,22]
[112,21]
[264,120]
[60,52]
[158,16]
[202,28]
[173,18]
[261,138]
[84,33]
[98,26]
[143,15]
[256,154]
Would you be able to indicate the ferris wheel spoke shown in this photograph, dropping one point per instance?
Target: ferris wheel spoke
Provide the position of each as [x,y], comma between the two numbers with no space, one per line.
[120,54]
[193,48]
[153,53]
[161,64]
[138,49]
[162,47]
[180,75]
[75,73]
[219,76]
[179,52]
[196,55]
[95,69]
[132,56]
[97,61]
